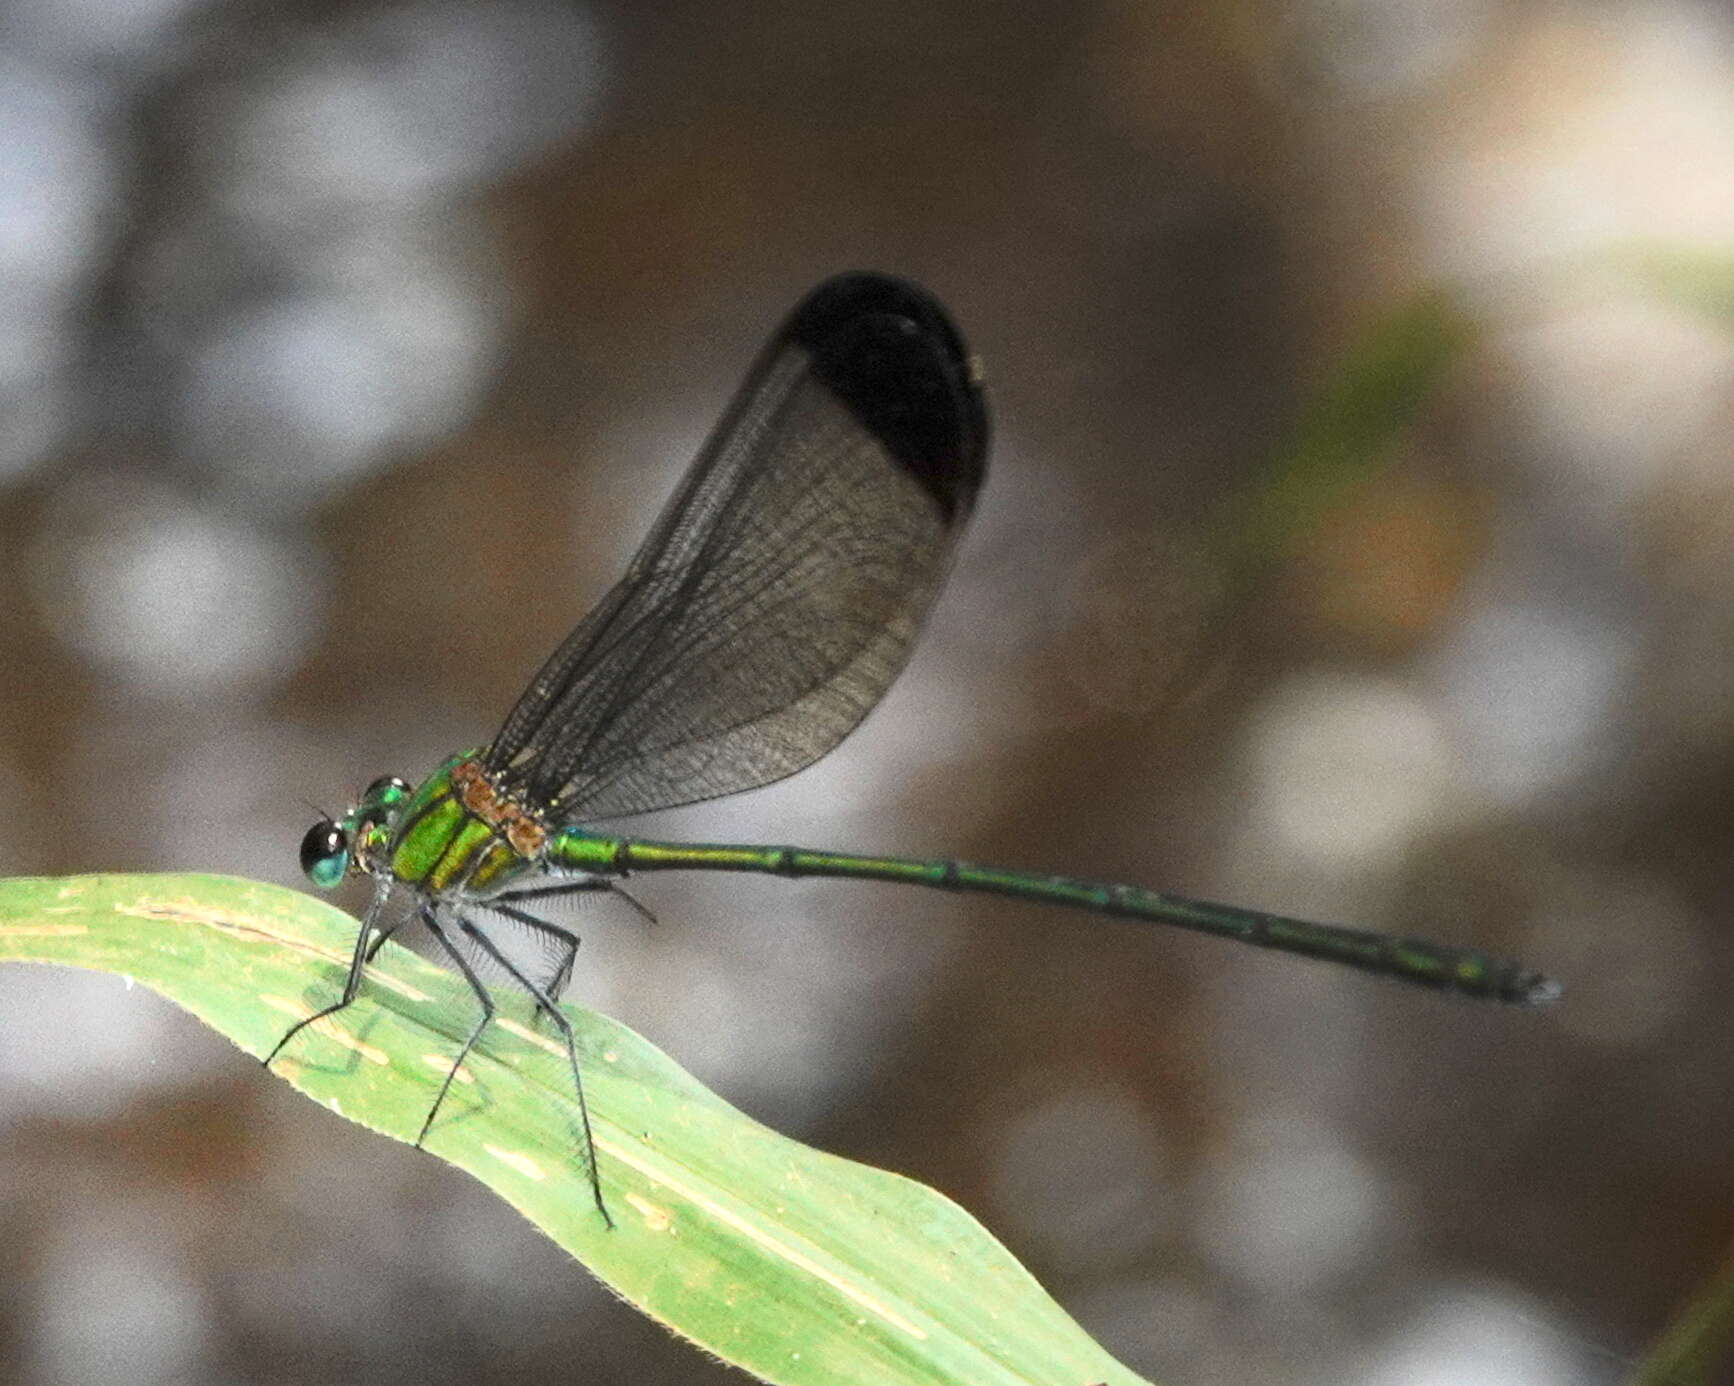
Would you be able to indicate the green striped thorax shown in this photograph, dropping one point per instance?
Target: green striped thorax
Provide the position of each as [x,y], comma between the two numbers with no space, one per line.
[453,830]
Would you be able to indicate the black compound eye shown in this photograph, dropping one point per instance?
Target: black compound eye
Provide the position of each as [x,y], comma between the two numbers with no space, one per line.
[325,854]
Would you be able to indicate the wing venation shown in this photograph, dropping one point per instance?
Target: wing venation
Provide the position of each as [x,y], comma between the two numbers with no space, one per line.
[780,591]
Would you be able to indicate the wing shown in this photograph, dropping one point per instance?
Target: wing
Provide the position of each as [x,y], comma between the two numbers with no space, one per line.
[780,591]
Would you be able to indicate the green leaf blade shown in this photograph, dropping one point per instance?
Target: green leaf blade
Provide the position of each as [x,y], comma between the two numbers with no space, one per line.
[798,1266]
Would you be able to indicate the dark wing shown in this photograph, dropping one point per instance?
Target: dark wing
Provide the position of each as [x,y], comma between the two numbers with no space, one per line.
[780,591]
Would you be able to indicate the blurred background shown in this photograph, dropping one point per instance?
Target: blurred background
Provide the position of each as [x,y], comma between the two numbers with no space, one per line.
[1359,543]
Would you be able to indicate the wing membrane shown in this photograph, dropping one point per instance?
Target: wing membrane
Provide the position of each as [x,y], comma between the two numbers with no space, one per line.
[780,591]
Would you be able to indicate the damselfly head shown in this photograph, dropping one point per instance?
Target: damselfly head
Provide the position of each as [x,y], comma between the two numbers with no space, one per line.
[335,846]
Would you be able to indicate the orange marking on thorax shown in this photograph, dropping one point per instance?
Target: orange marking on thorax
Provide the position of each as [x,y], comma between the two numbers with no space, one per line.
[522,829]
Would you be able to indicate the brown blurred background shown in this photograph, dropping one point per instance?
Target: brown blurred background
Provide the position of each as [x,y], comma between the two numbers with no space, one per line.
[347,350]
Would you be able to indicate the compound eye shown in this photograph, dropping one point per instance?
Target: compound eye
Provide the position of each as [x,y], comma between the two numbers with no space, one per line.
[387,790]
[325,854]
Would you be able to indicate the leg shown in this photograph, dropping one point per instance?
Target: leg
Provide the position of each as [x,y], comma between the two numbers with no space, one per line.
[545,1003]
[565,940]
[588,885]
[505,903]
[635,902]
[578,885]
[563,975]
[456,955]
[378,943]
[351,983]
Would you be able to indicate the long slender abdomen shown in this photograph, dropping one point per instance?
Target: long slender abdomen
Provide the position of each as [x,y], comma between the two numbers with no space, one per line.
[1419,961]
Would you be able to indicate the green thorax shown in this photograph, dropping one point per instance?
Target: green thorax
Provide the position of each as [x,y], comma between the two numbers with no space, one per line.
[439,844]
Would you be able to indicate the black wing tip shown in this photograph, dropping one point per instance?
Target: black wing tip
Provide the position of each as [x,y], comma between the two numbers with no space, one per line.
[890,352]
[843,298]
